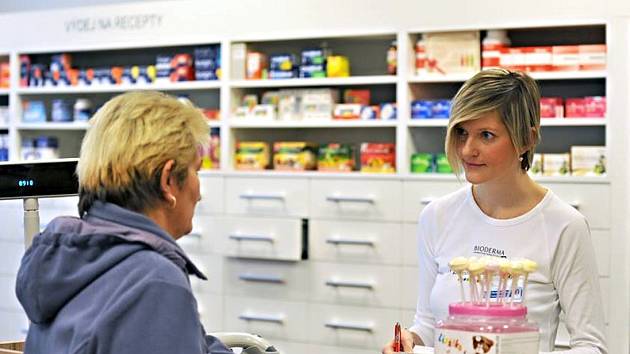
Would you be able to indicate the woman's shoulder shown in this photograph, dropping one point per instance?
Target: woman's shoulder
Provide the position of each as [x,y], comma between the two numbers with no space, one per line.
[446,205]
[560,210]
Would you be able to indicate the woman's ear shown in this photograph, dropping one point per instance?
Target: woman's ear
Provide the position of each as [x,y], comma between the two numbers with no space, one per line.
[166,182]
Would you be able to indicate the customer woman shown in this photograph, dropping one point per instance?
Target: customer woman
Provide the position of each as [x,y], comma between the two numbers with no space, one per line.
[492,133]
[114,280]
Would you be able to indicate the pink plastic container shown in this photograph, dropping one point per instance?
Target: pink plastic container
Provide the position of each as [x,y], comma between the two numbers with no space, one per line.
[493,329]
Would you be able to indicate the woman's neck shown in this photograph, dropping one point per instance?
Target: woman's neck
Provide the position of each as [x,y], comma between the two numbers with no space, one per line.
[508,198]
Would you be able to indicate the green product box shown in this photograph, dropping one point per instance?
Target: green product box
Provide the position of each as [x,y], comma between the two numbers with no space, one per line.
[421,163]
[442,165]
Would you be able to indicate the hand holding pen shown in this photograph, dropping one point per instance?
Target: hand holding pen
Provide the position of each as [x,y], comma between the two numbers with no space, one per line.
[402,342]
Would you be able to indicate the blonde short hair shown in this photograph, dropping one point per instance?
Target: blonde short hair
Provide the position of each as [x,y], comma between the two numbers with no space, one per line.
[130,140]
[513,95]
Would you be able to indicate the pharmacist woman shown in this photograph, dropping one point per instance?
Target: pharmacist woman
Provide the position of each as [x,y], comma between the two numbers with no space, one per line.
[492,133]
[114,280]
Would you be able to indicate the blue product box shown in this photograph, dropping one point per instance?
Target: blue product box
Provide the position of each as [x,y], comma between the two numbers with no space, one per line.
[34,112]
[421,109]
[441,108]
[389,111]
[36,77]
[205,75]
[312,71]
[282,74]
[127,76]
[205,53]
[281,62]
[61,111]
[83,79]
[313,56]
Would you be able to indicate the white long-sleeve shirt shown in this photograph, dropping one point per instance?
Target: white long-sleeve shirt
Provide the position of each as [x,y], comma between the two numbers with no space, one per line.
[553,234]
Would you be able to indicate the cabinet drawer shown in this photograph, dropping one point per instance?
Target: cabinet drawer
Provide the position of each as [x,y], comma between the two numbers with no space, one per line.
[351,199]
[266,196]
[210,308]
[355,284]
[204,236]
[359,327]
[262,238]
[592,200]
[359,242]
[418,194]
[266,279]
[212,266]
[410,244]
[268,318]
[212,198]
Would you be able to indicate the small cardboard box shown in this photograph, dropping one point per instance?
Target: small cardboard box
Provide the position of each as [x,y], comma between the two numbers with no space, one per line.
[588,160]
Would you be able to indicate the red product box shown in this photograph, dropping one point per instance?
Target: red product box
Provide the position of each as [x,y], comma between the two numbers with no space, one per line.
[513,58]
[551,107]
[538,58]
[378,157]
[181,60]
[592,56]
[595,106]
[4,75]
[575,108]
[361,97]
[183,73]
[566,57]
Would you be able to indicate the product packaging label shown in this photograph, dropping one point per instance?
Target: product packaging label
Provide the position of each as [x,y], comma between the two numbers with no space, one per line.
[465,342]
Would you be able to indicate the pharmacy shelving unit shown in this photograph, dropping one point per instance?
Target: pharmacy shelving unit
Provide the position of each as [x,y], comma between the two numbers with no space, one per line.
[322,261]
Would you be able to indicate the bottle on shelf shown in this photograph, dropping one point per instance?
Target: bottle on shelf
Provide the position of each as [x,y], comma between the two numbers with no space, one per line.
[491,47]
[392,58]
[421,55]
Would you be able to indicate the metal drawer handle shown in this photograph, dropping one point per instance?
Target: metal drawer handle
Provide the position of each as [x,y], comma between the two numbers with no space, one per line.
[350,326]
[349,284]
[575,205]
[426,201]
[344,241]
[262,318]
[264,196]
[340,199]
[257,238]
[262,278]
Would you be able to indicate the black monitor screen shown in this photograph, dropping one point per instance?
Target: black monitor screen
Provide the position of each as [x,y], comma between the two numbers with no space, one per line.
[38,179]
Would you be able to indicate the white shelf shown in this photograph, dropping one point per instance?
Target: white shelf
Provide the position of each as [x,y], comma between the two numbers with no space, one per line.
[428,122]
[572,122]
[305,123]
[175,86]
[341,81]
[539,75]
[4,127]
[4,91]
[545,122]
[214,123]
[53,126]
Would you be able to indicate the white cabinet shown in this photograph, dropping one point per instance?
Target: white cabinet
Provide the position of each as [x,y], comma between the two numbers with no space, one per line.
[212,202]
[269,318]
[265,279]
[352,241]
[349,199]
[266,196]
[261,238]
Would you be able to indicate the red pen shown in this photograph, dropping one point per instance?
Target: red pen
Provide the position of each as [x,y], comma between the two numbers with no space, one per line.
[397,339]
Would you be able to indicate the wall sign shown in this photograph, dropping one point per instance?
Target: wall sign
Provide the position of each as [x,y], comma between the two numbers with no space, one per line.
[120,23]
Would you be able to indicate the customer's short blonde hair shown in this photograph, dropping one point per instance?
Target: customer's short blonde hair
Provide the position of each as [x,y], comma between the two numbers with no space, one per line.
[513,95]
[130,140]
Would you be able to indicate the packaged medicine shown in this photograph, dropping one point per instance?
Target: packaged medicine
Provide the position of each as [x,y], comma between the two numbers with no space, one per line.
[251,155]
[378,157]
[556,164]
[335,158]
[588,160]
[294,156]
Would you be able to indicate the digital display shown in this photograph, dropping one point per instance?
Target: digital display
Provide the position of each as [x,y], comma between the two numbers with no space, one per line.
[38,179]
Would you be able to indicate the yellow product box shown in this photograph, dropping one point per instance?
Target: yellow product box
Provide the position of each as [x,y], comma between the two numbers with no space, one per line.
[251,155]
[453,52]
[337,66]
[588,160]
[556,164]
[294,156]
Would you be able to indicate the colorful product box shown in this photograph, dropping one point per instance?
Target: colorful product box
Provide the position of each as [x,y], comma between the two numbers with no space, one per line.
[566,58]
[357,96]
[318,103]
[453,52]
[422,163]
[347,111]
[551,107]
[556,164]
[536,169]
[336,158]
[370,112]
[25,70]
[294,156]
[591,107]
[588,160]
[5,74]
[592,56]
[256,66]
[34,112]
[421,109]
[251,155]
[537,58]
[378,157]
[441,164]
[337,66]
[389,111]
